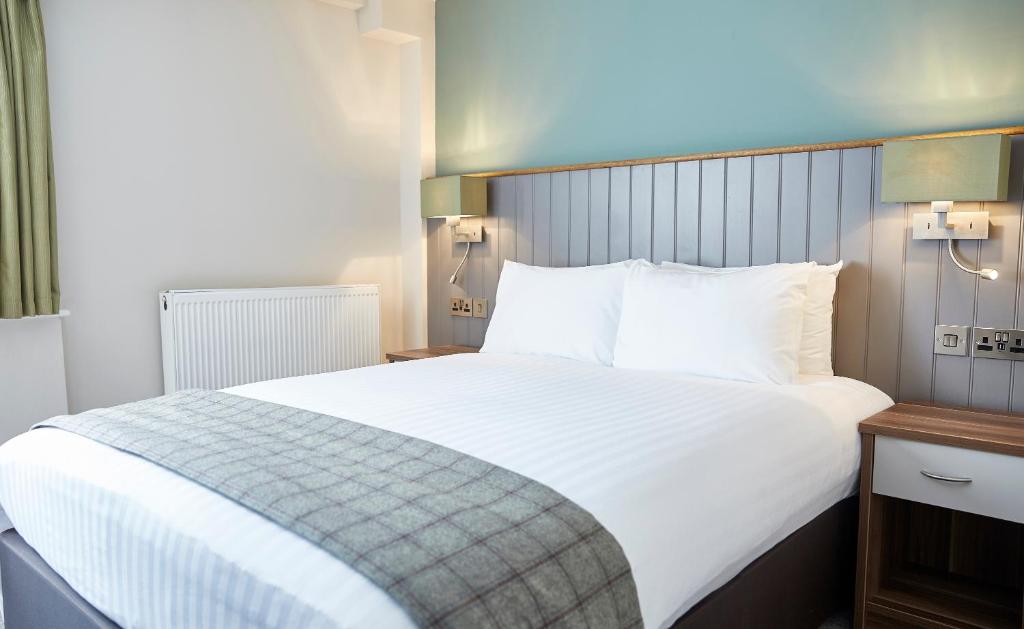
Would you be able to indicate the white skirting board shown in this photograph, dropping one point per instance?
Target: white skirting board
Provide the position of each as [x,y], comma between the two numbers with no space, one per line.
[33,384]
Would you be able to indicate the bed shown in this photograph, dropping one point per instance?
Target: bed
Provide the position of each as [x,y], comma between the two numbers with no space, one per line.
[696,478]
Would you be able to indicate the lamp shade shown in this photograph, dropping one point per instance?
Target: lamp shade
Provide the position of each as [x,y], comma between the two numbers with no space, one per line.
[968,168]
[453,196]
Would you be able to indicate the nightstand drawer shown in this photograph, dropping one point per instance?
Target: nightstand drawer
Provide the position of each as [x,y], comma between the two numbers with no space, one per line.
[956,478]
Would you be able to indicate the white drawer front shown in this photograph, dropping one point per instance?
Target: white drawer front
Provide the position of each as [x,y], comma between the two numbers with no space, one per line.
[997,480]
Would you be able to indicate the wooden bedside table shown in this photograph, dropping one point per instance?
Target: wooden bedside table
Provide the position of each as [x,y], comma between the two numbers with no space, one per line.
[941,539]
[430,352]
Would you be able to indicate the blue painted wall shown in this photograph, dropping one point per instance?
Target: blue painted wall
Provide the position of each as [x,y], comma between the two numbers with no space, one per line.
[542,82]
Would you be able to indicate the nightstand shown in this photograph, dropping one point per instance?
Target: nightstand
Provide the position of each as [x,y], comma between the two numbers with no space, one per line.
[430,352]
[941,536]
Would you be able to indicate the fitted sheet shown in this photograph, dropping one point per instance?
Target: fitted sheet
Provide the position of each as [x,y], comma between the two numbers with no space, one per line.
[695,478]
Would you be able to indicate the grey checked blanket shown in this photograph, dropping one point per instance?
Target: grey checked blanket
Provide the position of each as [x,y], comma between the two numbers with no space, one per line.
[456,541]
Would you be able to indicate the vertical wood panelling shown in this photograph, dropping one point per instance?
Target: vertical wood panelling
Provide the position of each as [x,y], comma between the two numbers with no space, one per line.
[437,310]
[618,246]
[823,229]
[451,254]
[1008,219]
[920,286]
[663,246]
[855,250]
[997,301]
[957,290]
[793,207]
[560,219]
[474,281]
[579,217]
[885,300]
[524,219]
[542,219]
[599,187]
[688,212]
[712,212]
[640,209]
[738,181]
[764,225]
[488,268]
[505,213]
[820,206]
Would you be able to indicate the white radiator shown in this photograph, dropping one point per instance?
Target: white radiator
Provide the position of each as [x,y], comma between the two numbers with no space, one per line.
[213,339]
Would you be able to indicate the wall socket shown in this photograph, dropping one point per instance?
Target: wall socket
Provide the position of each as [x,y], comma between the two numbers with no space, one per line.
[1002,343]
[461,307]
[468,307]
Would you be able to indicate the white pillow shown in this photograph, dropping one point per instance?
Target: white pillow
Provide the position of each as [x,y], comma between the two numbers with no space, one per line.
[738,326]
[570,312]
[816,341]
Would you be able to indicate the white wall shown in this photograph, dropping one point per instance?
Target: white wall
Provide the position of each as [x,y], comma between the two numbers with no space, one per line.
[32,386]
[213,143]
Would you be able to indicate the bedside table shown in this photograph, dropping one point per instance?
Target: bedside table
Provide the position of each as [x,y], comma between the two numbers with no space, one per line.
[430,352]
[941,536]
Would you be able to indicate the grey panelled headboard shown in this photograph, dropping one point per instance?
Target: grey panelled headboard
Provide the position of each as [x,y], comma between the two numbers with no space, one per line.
[818,205]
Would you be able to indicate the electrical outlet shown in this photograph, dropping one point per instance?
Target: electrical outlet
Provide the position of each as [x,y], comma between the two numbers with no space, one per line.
[480,308]
[461,307]
[999,343]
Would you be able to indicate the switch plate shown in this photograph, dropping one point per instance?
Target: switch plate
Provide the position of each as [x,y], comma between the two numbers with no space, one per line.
[961,225]
[461,307]
[951,340]
[480,308]
[1003,343]
[469,230]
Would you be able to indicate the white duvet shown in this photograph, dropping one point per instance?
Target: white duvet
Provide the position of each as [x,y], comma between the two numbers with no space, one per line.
[695,478]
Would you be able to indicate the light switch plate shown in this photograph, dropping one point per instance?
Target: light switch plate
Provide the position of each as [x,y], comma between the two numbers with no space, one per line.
[960,225]
[951,340]
[469,230]
[480,308]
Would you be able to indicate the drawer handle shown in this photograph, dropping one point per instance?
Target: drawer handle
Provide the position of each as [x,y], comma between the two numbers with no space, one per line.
[947,479]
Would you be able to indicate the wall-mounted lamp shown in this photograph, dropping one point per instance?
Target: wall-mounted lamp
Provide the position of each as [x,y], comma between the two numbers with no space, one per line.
[942,171]
[461,201]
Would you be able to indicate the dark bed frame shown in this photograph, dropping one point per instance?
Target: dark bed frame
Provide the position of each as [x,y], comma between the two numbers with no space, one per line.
[797,584]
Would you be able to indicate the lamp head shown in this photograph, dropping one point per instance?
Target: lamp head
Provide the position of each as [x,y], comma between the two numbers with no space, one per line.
[453,197]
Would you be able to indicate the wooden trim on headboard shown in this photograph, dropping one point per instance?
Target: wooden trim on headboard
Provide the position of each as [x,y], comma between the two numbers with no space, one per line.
[771,150]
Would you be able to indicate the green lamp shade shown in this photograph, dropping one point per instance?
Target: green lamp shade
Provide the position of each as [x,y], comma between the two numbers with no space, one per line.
[453,196]
[969,168]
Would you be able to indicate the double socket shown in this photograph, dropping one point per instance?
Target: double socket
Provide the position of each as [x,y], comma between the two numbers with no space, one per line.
[469,307]
[1001,343]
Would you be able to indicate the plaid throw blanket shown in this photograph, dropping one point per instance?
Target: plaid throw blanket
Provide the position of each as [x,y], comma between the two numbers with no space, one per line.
[456,541]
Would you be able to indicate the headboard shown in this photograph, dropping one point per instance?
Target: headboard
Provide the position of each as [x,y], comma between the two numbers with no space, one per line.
[789,204]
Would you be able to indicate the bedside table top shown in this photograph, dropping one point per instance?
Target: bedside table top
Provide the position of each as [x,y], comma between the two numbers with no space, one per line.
[430,352]
[978,430]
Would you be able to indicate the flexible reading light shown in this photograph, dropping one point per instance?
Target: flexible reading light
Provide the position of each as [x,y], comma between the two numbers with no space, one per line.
[988,274]
[455,275]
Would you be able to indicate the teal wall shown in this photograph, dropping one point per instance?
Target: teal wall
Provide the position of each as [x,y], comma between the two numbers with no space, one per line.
[544,82]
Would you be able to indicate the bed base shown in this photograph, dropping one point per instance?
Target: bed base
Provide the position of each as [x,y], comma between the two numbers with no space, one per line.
[36,597]
[797,584]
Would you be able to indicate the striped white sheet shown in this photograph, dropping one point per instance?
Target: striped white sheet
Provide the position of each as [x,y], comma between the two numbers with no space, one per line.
[694,477]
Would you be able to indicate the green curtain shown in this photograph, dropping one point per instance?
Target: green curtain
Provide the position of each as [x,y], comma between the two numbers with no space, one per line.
[28,226]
